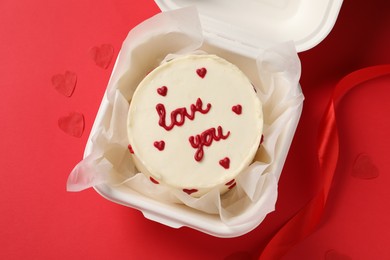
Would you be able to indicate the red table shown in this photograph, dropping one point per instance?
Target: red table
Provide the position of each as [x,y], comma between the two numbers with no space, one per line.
[40,220]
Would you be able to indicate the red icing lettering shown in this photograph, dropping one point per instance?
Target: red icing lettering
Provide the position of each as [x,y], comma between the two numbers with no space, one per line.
[179,115]
[205,139]
[159,145]
[225,162]
[201,72]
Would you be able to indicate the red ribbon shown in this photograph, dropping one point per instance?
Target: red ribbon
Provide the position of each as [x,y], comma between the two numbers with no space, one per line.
[307,218]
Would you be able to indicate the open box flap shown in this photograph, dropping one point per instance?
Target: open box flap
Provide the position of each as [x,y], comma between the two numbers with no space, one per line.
[261,23]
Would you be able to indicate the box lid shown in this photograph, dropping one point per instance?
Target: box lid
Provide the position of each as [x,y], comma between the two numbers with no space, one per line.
[260,23]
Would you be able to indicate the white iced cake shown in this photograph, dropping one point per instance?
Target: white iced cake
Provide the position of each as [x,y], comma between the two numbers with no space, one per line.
[194,124]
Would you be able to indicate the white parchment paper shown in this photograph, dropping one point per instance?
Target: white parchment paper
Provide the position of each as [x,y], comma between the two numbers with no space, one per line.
[172,33]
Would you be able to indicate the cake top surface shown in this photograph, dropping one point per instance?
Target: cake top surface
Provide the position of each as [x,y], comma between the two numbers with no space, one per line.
[195,122]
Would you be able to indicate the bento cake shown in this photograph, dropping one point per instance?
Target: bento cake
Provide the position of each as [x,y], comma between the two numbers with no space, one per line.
[194,124]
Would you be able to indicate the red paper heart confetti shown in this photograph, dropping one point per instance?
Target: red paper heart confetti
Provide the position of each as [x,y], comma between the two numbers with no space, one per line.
[65,83]
[201,72]
[153,180]
[225,163]
[102,55]
[237,109]
[190,191]
[73,124]
[364,168]
[160,145]
[334,255]
[162,91]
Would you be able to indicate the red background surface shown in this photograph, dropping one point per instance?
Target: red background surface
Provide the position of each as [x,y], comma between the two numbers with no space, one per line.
[40,220]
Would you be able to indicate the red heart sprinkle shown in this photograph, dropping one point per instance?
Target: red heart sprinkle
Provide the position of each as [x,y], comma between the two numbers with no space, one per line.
[65,83]
[225,162]
[262,139]
[190,191]
[159,145]
[130,148]
[237,109]
[102,55]
[153,180]
[364,168]
[162,91]
[73,124]
[201,72]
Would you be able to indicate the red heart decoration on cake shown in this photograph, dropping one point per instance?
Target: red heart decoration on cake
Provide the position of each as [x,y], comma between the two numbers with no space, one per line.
[162,91]
[73,124]
[159,145]
[130,148]
[102,55]
[201,72]
[190,191]
[225,163]
[237,109]
[65,83]
[364,168]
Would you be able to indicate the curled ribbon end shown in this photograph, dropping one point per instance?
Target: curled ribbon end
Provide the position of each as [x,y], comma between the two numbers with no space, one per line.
[308,217]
